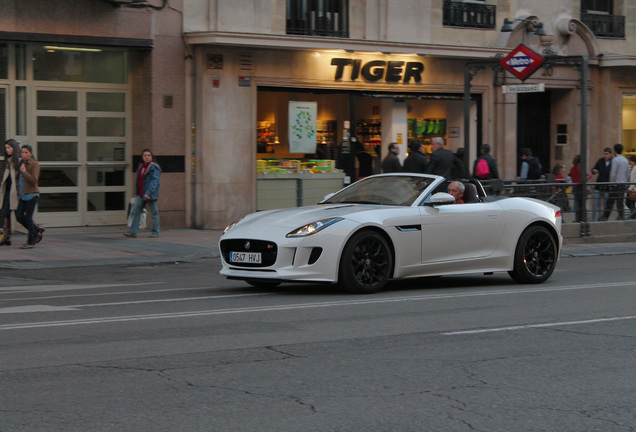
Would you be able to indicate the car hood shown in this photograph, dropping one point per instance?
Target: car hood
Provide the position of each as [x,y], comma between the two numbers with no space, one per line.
[299,216]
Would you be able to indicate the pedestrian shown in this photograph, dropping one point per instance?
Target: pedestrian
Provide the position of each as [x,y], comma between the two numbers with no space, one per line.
[365,159]
[416,161]
[146,192]
[489,171]
[619,173]
[631,190]
[391,163]
[28,195]
[442,160]
[9,189]
[530,166]
[459,170]
[577,192]
[601,192]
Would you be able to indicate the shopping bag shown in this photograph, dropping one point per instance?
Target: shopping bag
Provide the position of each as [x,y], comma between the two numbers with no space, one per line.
[142,218]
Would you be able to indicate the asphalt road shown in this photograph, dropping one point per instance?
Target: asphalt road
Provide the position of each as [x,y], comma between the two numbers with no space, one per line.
[174,347]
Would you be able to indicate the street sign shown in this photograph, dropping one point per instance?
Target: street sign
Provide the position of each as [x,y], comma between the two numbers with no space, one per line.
[521,62]
[524,88]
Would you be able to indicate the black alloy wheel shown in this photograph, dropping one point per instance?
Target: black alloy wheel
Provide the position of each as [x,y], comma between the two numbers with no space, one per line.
[535,256]
[366,263]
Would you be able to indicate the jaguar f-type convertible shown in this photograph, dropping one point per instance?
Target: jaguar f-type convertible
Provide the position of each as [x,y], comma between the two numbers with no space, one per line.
[393,226]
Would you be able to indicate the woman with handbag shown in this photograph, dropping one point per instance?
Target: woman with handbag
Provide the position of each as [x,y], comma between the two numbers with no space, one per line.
[146,192]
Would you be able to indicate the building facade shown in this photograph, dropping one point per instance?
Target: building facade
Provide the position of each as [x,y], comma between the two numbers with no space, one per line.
[383,71]
[89,84]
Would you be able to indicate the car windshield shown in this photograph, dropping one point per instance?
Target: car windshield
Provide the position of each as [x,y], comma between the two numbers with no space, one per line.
[383,190]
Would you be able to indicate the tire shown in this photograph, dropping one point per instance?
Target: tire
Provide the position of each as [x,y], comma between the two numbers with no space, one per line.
[535,256]
[262,284]
[366,263]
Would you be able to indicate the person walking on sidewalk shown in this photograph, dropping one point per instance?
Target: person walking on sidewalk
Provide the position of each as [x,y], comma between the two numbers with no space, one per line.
[146,192]
[9,190]
[28,195]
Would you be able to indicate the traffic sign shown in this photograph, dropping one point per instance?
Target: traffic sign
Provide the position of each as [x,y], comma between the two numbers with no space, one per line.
[521,62]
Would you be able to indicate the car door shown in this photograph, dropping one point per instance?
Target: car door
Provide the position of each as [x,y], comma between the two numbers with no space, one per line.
[453,232]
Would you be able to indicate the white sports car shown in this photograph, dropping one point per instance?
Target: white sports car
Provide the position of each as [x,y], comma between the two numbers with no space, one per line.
[392,226]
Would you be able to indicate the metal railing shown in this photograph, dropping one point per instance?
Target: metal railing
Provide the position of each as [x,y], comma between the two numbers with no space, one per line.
[570,197]
[318,18]
[470,15]
[610,26]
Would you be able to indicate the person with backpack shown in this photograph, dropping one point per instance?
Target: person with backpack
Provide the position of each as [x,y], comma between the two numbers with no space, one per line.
[485,167]
[530,166]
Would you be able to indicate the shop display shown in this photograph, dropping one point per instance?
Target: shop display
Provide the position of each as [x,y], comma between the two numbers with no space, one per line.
[369,132]
[423,129]
[293,166]
[266,137]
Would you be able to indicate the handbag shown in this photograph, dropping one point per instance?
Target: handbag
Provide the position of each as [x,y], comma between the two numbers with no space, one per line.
[142,217]
[632,195]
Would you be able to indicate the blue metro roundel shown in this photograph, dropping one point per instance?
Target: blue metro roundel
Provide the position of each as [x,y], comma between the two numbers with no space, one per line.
[521,62]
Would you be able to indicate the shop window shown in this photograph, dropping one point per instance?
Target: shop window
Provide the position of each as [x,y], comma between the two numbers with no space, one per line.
[58,63]
[104,201]
[57,126]
[470,14]
[106,126]
[105,176]
[64,151]
[58,176]
[4,61]
[57,100]
[107,102]
[57,202]
[318,17]
[106,151]
[629,125]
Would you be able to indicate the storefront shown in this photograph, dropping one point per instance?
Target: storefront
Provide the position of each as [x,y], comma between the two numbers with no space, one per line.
[72,104]
[357,103]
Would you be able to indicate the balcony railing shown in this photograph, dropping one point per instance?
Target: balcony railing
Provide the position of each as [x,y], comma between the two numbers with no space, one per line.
[318,18]
[470,15]
[602,25]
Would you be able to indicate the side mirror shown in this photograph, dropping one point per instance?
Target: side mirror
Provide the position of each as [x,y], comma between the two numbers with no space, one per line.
[442,198]
[328,196]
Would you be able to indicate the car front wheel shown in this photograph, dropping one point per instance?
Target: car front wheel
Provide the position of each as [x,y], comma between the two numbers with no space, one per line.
[366,263]
[535,256]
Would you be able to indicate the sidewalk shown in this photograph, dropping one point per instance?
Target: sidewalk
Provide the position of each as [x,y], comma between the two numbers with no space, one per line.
[106,245]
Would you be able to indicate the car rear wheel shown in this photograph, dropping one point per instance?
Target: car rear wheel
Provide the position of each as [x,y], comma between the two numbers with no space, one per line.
[366,263]
[535,256]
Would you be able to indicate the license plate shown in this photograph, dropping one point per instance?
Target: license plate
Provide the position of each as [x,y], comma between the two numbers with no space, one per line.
[245,257]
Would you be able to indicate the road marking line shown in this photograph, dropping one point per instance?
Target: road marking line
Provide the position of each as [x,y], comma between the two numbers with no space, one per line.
[69,287]
[292,307]
[529,326]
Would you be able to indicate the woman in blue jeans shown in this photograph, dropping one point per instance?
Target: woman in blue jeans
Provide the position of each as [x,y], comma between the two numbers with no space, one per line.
[146,192]
[28,194]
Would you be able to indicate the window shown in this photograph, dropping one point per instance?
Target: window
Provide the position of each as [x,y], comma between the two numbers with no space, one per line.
[470,15]
[605,6]
[318,18]
[598,16]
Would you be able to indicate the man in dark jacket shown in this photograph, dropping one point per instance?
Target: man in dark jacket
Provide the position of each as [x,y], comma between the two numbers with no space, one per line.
[416,161]
[492,164]
[391,163]
[603,168]
[530,167]
[442,160]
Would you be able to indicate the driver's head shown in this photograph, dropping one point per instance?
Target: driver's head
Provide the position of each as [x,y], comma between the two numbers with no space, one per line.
[456,189]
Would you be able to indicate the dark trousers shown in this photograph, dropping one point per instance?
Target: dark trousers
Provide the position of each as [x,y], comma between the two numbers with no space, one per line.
[6,207]
[24,215]
[617,195]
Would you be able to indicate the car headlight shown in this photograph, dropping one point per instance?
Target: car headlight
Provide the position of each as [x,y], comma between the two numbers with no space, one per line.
[314,227]
[230,226]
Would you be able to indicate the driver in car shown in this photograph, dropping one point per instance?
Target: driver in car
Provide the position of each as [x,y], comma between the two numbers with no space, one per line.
[456,189]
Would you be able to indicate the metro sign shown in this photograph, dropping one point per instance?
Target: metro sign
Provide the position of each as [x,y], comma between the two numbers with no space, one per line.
[521,62]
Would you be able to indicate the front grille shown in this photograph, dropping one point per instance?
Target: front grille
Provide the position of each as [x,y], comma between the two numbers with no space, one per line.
[268,250]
